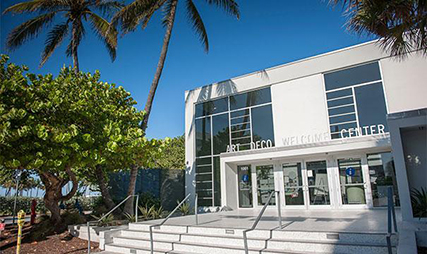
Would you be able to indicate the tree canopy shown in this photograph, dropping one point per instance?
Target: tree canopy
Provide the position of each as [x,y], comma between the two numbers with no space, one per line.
[63,127]
[402,24]
[173,156]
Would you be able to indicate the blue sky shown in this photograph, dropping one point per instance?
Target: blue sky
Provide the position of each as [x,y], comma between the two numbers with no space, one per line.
[269,33]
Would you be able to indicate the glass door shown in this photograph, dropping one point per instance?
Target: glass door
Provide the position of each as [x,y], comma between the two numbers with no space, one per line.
[352,182]
[245,186]
[318,183]
[264,184]
[293,181]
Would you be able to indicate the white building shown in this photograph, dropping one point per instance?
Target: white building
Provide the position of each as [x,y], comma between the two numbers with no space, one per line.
[329,132]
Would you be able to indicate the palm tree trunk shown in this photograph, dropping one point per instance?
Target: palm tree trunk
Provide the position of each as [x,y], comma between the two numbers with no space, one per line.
[74,47]
[150,99]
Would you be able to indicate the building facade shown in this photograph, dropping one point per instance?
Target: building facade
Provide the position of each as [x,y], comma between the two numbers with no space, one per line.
[318,130]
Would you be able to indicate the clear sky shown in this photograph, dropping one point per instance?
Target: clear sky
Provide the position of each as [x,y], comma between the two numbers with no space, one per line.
[269,33]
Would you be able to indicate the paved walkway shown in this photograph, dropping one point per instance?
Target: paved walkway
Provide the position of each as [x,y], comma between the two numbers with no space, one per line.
[293,220]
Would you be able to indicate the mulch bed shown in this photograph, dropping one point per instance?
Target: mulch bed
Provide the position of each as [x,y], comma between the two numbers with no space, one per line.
[58,243]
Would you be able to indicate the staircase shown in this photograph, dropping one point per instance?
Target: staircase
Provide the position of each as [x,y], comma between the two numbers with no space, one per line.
[210,240]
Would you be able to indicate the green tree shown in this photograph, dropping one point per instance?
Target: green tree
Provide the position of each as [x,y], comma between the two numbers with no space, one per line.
[72,13]
[65,127]
[140,12]
[402,24]
[173,156]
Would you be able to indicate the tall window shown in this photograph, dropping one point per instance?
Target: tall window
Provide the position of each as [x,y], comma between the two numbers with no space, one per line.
[356,103]
[238,119]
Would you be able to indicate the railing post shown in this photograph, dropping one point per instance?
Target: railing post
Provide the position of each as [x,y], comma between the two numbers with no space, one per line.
[195,210]
[136,208]
[151,239]
[88,237]
[393,212]
[279,207]
[245,241]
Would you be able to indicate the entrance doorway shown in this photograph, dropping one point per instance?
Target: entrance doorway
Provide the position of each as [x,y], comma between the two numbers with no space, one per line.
[306,183]
[264,184]
[352,181]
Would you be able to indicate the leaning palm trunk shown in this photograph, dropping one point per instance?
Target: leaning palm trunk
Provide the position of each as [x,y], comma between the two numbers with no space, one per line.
[134,169]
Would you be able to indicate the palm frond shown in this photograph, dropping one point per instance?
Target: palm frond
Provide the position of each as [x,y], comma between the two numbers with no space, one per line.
[28,30]
[197,23]
[54,39]
[37,5]
[167,12]
[107,7]
[107,34]
[138,12]
[230,6]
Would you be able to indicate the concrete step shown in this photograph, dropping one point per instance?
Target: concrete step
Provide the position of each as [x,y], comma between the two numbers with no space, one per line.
[257,238]
[224,245]
[346,237]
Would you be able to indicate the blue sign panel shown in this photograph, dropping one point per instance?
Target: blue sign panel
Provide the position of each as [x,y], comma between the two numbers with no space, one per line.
[245,178]
[350,171]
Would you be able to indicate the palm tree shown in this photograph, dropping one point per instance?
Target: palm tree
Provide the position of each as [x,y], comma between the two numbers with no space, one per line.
[73,13]
[140,12]
[402,25]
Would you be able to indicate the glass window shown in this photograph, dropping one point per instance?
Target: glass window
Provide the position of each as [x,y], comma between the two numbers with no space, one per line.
[262,124]
[318,187]
[265,184]
[340,102]
[342,118]
[250,98]
[203,136]
[341,110]
[340,93]
[351,181]
[217,181]
[292,177]
[245,186]
[244,112]
[352,76]
[212,107]
[382,176]
[371,107]
[202,201]
[221,135]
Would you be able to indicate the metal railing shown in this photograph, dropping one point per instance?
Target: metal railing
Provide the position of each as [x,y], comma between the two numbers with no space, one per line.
[245,238]
[391,218]
[170,214]
[112,210]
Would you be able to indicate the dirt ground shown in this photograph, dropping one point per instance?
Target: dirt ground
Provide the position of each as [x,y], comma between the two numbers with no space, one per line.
[59,243]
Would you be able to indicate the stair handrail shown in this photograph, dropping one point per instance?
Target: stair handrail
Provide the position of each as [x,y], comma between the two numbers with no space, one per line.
[391,218]
[167,217]
[245,238]
[105,215]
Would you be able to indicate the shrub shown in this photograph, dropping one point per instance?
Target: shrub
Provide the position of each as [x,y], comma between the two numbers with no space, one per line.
[22,203]
[419,202]
[147,199]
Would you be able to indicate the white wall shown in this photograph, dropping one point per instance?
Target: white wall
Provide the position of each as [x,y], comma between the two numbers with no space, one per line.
[299,108]
[405,83]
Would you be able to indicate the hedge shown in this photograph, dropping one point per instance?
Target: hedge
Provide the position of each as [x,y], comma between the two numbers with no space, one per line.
[24,203]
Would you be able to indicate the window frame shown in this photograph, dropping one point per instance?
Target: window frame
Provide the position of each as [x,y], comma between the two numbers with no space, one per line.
[353,95]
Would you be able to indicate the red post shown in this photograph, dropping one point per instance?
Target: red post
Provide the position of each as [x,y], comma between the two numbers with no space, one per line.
[33,211]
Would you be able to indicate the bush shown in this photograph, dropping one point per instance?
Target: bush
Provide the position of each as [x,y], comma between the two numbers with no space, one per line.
[22,203]
[147,199]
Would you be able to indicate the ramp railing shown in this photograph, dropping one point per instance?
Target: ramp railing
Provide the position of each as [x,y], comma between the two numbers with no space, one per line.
[245,238]
[170,214]
[391,218]
[105,215]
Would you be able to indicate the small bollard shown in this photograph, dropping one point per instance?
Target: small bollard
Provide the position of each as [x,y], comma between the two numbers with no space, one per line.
[21,221]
